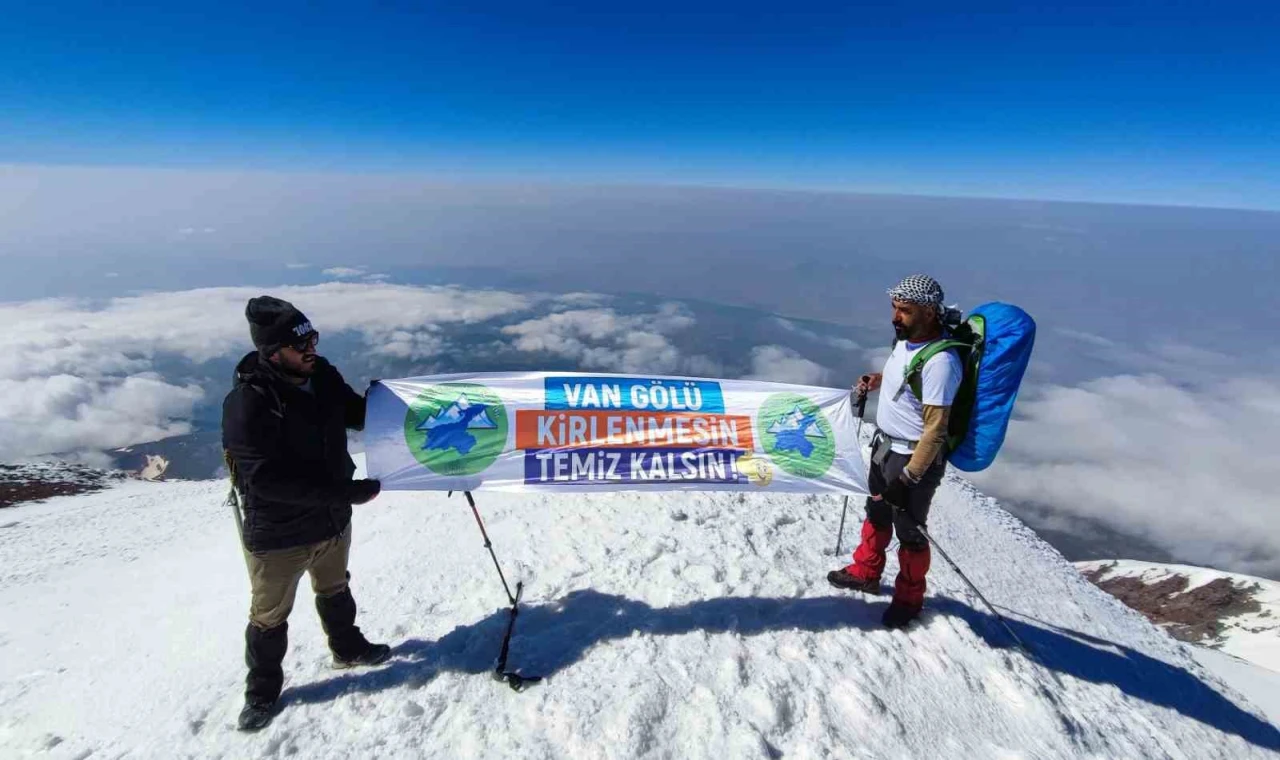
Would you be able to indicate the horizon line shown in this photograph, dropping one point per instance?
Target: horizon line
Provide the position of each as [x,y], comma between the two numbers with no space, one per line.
[500,180]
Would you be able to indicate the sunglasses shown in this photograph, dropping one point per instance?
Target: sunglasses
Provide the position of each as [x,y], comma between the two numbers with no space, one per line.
[306,344]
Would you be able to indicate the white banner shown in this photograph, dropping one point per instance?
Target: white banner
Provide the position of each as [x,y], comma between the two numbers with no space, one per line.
[538,431]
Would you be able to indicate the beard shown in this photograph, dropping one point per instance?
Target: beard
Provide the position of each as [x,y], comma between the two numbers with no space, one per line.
[901,332]
[302,369]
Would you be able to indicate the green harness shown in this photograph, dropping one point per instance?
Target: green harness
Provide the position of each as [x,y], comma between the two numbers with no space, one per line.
[968,340]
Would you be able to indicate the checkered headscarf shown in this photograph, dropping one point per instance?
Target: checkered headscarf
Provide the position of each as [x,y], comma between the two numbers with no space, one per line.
[918,288]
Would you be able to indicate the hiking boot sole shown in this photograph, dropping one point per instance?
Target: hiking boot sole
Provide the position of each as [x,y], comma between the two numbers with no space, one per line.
[382,656]
[862,587]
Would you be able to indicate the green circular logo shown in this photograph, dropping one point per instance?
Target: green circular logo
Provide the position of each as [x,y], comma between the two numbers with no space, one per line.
[796,435]
[456,428]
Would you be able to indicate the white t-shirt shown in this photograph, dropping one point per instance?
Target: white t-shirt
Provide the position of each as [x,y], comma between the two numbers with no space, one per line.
[939,381]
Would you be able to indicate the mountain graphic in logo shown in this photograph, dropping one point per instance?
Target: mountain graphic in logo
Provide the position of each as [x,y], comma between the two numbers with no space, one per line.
[794,429]
[796,435]
[456,429]
[448,429]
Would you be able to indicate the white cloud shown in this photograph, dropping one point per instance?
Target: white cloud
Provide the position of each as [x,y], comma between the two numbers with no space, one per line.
[579,301]
[832,340]
[65,412]
[876,357]
[407,344]
[1191,467]
[343,273]
[780,364]
[298,265]
[604,339]
[354,273]
[79,374]
[44,338]
[703,366]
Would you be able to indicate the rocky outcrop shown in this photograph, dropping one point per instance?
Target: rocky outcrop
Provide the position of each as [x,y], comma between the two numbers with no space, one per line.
[1198,615]
[23,483]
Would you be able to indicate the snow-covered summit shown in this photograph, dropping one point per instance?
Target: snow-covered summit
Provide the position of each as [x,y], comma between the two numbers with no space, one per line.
[457,413]
[685,625]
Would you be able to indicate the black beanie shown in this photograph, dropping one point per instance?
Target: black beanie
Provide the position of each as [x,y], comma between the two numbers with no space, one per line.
[274,323]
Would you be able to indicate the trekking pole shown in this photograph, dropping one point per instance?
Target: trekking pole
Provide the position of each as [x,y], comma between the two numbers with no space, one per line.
[1004,623]
[489,545]
[862,410]
[234,500]
[500,673]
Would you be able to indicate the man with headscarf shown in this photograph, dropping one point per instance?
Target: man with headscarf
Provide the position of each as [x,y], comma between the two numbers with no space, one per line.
[284,430]
[908,451]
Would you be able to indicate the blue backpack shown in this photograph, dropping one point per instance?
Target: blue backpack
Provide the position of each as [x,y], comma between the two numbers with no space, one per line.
[994,344]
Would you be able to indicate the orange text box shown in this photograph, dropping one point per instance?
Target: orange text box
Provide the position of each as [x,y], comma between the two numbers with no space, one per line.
[572,429]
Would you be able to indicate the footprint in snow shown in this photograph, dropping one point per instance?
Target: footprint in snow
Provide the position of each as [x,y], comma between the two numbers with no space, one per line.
[413,710]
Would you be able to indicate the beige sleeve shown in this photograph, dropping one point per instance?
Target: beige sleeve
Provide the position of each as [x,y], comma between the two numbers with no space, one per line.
[934,438]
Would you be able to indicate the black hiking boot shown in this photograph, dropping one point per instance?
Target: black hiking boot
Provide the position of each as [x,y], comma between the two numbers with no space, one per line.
[899,615]
[256,715]
[376,654]
[844,579]
[349,646]
[263,653]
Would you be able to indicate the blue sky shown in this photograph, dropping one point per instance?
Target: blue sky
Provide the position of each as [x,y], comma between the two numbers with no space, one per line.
[1119,101]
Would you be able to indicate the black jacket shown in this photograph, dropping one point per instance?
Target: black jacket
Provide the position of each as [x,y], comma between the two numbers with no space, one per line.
[288,449]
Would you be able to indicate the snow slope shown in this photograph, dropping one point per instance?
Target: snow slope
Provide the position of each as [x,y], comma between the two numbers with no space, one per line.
[1251,636]
[1261,686]
[682,626]
[1246,655]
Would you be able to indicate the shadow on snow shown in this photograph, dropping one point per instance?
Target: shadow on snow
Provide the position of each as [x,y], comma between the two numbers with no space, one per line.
[553,636]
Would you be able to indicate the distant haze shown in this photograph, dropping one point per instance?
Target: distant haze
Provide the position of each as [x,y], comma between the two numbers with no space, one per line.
[1152,404]
[1187,275]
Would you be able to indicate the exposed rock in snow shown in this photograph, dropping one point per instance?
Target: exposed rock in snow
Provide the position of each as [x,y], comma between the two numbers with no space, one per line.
[21,483]
[1239,614]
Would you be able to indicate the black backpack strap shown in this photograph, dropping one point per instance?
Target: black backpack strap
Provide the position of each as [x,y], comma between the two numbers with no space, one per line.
[277,403]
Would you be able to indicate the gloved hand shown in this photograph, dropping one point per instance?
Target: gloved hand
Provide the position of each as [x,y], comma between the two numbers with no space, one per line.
[898,491]
[362,491]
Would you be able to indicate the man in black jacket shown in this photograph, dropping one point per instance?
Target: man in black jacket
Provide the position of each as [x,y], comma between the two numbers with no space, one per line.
[284,429]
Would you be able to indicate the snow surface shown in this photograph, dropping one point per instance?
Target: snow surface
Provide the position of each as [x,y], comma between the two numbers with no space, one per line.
[686,625]
[1260,685]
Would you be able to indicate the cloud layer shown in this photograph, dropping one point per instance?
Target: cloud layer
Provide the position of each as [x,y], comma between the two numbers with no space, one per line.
[1159,448]
[603,339]
[66,412]
[780,364]
[84,375]
[94,375]
[1192,466]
